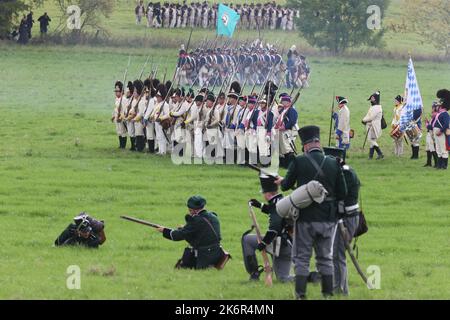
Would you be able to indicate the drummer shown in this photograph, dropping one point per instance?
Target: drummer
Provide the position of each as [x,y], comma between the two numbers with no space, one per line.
[396,134]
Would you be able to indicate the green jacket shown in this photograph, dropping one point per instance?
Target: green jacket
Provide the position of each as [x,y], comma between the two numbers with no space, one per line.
[204,237]
[301,171]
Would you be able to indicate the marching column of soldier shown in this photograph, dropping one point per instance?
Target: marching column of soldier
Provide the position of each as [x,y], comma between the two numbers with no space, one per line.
[268,16]
[225,125]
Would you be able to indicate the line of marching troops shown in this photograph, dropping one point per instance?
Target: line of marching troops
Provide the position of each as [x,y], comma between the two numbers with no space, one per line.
[253,63]
[226,127]
[269,16]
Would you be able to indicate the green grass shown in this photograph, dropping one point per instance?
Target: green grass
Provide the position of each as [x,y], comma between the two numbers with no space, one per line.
[52,97]
[124,32]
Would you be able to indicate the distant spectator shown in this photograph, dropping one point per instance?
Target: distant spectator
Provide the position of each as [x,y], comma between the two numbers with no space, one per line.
[139,11]
[44,22]
[23,31]
[30,23]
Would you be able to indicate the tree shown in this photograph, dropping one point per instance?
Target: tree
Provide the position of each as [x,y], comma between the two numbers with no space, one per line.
[90,14]
[337,25]
[431,20]
[10,13]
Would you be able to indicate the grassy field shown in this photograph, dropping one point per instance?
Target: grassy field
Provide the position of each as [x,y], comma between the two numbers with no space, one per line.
[58,156]
[124,32]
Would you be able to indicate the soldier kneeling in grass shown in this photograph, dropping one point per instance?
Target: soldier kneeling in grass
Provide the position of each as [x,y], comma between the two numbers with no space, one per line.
[202,232]
[85,231]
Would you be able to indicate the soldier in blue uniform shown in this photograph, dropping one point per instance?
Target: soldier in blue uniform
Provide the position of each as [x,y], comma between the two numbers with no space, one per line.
[441,128]
[202,232]
[277,240]
[316,225]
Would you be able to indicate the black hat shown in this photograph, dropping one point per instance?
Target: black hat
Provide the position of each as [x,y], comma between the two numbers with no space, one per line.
[268,183]
[199,98]
[161,90]
[139,86]
[130,86]
[377,97]
[309,134]
[190,93]
[444,98]
[335,152]
[119,84]
[399,98]
[235,90]
[211,97]
[196,202]
[341,100]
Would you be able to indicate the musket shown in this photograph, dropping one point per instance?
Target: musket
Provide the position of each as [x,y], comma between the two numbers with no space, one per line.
[145,223]
[267,267]
[123,87]
[189,41]
[215,102]
[143,68]
[331,117]
[344,233]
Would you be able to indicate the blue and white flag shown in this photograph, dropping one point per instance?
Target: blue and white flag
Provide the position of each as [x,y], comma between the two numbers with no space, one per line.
[227,19]
[413,99]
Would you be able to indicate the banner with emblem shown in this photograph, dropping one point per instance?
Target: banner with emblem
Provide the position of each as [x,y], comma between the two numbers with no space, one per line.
[227,19]
[413,99]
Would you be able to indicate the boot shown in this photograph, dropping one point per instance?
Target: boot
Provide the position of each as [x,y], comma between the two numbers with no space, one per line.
[327,286]
[444,163]
[140,143]
[151,146]
[380,154]
[371,152]
[124,142]
[300,287]
[415,153]
[439,163]
[120,142]
[429,156]
[252,267]
[133,144]
[435,158]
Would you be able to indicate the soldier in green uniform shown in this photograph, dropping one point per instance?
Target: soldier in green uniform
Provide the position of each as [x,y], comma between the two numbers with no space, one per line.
[349,214]
[202,232]
[316,225]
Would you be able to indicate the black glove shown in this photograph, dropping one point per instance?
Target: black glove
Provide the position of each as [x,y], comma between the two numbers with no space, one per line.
[255,203]
[261,246]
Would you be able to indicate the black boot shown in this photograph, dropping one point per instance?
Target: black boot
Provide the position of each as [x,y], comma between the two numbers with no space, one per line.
[435,158]
[415,153]
[252,267]
[151,146]
[444,163]
[380,154]
[124,142]
[429,156]
[327,286]
[371,152]
[140,143]
[439,163]
[300,287]
[133,144]
[120,142]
